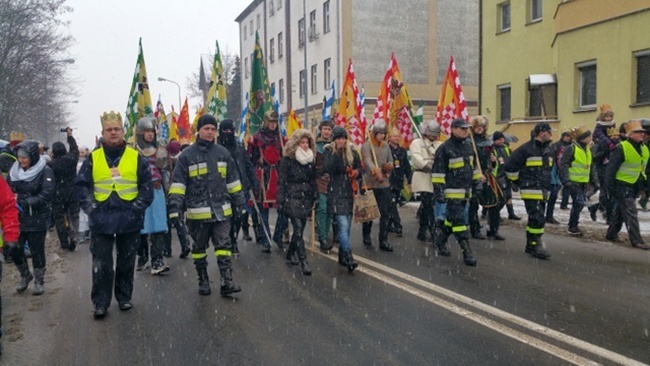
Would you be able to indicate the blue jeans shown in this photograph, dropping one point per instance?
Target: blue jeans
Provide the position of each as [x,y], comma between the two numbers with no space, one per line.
[344,231]
[440,212]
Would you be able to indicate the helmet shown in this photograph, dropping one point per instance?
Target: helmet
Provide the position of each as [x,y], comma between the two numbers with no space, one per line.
[145,123]
[430,128]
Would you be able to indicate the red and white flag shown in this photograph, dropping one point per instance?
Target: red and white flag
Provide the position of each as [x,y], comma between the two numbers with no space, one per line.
[348,114]
[451,104]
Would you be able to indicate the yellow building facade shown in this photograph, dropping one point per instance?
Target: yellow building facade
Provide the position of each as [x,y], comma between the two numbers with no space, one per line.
[558,61]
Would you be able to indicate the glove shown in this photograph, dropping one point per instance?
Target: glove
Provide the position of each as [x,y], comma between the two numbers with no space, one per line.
[387,167]
[352,173]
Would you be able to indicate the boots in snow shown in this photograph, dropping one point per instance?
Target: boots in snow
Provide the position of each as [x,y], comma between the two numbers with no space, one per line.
[468,257]
[25,277]
[204,281]
[228,287]
[39,274]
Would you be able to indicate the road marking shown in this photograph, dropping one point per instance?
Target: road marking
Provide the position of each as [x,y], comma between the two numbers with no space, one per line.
[503,329]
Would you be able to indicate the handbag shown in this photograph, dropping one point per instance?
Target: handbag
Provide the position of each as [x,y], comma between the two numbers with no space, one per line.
[365,207]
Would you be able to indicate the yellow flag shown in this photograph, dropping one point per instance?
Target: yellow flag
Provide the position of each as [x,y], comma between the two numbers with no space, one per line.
[293,123]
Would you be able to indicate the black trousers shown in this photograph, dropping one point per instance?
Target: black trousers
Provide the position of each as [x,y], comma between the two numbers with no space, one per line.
[474,224]
[427,219]
[625,211]
[66,220]
[219,232]
[36,240]
[455,222]
[395,221]
[181,231]
[240,222]
[383,198]
[105,274]
[494,216]
[536,210]
[158,244]
[297,240]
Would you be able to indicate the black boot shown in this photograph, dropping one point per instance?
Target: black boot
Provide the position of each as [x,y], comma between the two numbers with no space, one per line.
[227,285]
[291,255]
[477,235]
[511,213]
[25,277]
[325,246]
[537,249]
[385,246]
[39,275]
[367,242]
[245,235]
[422,233]
[495,235]
[234,248]
[349,261]
[204,281]
[442,234]
[468,257]
[302,256]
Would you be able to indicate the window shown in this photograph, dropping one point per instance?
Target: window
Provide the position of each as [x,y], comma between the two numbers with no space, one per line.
[301,32]
[303,80]
[326,17]
[504,17]
[274,91]
[587,84]
[280,45]
[281,91]
[504,103]
[643,77]
[250,27]
[245,32]
[542,96]
[258,22]
[272,50]
[246,69]
[312,26]
[271,8]
[327,70]
[314,79]
[535,10]
[280,4]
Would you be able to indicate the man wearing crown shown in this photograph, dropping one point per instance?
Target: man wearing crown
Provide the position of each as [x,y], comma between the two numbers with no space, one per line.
[114,189]
[576,171]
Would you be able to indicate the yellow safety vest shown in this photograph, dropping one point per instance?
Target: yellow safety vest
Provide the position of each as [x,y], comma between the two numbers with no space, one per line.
[580,166]
[122,179]
[634,164]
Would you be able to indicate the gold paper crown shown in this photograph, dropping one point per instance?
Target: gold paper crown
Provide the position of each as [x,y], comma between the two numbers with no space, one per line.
[612,131]
[16,136]
[109,118]
[606,107]
[576,132]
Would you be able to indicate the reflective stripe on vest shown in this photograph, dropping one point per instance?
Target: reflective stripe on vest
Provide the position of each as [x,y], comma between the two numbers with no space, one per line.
[122,179]
[580,166]
[634,164]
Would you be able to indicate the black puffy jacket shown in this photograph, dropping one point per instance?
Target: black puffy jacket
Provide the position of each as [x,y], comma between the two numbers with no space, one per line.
[453,170]
[530,166]
[402,168]
[206,179]
[297,191]
[340,197]
[65,171]
[34,197]
[244,165]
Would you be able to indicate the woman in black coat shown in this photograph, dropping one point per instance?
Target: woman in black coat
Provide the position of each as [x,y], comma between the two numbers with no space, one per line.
[33,183]
[297,192]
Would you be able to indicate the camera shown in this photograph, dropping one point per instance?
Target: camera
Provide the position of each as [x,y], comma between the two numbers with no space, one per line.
[65,129]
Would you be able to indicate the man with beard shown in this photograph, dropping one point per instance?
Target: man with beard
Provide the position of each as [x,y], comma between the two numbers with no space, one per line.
[247,177]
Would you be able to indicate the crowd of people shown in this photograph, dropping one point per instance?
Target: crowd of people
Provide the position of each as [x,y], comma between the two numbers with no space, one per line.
[129,196]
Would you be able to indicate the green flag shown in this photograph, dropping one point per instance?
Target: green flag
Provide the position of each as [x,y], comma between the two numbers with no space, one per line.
[419,114]
[139,104]
[260,92]
[215,103]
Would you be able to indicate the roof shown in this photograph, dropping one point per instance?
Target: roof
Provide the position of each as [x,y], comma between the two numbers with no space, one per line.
[249,9]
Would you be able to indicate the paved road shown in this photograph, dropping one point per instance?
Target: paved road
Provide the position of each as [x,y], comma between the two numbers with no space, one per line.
[588,304]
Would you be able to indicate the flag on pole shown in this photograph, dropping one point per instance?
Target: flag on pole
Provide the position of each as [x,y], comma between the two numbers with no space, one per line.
[451,103]
[183,124]
[362,111]
[163,125]
[260,91]
[195,123]
[216,103]
[242,121]
[173,125]
[419,114]
[276,108]
[394,103]
[293,123]
[348,114]
[139,104]
[328,105]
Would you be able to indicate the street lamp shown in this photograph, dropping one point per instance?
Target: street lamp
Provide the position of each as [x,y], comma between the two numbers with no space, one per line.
[179,91]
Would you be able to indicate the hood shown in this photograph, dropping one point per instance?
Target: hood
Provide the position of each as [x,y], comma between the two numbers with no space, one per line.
[58,149]
[292,144]
[32,148]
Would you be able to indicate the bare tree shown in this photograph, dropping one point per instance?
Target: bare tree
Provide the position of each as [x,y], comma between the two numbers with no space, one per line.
[193,83]
[33,60]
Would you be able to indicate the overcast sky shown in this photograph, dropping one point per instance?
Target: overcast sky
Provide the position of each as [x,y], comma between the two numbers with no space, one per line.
[174,35]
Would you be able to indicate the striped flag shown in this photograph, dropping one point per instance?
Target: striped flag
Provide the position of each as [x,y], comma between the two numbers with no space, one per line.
[451,103]
[215,103]
[242,119]
[327,108]
[163,125]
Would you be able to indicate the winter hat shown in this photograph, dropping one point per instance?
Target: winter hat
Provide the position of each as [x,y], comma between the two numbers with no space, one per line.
[542,127]
[226,124]
[339,132]
[58,149]
[207,119]
[174,147]
[498,135]
[22,152]
[459,123]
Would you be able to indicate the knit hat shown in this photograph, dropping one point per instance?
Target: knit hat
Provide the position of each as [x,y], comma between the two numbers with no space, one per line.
[339,132]
[226,124]
[207,119]
[498,135]
[174,147]
[542,127]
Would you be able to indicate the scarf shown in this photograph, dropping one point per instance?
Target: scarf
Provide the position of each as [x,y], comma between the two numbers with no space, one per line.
[17,173]
[304,157]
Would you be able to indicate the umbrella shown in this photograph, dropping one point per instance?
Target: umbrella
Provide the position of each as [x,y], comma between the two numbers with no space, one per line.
[489,141]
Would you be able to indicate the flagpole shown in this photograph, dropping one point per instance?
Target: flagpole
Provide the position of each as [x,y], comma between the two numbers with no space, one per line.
[417,130]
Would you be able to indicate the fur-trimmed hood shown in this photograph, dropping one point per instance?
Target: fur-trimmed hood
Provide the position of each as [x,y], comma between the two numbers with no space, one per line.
[289,150]
[478,120]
